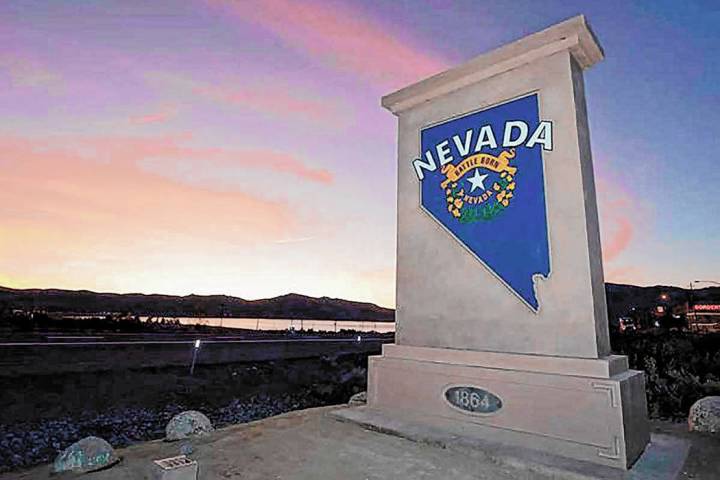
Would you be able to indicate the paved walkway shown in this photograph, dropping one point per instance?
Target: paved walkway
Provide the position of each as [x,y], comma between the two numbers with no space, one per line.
[311,445]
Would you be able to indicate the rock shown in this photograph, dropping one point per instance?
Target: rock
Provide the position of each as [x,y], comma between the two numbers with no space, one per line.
[186,425]
[358,399]
[705,415]
[86,455]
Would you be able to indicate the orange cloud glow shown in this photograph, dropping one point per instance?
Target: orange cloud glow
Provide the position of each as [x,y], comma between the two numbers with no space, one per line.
[620,235]
[616,218]
[98,184]
[378,284]
[341,37]
[75,210]
[623,275]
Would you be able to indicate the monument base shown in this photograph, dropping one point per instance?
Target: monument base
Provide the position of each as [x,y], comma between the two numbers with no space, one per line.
[586,409]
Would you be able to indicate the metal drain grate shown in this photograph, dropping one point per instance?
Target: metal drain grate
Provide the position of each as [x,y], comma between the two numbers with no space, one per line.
[176,468]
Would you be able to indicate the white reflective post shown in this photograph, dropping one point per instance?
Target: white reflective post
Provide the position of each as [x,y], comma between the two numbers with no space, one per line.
[194,357]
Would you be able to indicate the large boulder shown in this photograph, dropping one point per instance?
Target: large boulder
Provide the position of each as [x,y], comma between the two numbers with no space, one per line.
[187,425]
[705,415]
[86,455]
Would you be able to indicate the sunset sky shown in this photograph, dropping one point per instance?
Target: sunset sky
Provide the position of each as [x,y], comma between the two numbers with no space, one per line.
[193,146]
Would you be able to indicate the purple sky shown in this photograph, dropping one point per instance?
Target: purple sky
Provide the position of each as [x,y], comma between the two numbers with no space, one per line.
[239,147]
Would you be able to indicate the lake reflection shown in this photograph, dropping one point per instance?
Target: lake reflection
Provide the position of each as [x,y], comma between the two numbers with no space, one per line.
[286,323]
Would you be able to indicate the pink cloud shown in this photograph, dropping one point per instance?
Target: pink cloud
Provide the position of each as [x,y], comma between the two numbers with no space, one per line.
[273,97]
[90,197]
[71,216]
[619,212]
[133,150]
[274,100]
[83,212]
[160,116]
[73,197]
[341,37]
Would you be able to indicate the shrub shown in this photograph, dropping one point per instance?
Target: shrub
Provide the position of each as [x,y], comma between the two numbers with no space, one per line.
[680,368]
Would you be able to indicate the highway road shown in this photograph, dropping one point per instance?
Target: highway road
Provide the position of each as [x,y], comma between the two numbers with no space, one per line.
[57,341]
[58,354]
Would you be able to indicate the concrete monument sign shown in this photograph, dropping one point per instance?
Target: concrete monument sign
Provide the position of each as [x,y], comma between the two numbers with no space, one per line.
[502,330]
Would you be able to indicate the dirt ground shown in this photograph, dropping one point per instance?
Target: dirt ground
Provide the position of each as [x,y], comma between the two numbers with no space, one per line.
[310,445]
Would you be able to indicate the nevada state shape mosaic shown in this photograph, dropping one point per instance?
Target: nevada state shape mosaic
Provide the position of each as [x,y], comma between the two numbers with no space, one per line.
[482,179]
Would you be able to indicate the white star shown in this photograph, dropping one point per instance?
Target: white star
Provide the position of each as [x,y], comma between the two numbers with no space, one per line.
[477,180]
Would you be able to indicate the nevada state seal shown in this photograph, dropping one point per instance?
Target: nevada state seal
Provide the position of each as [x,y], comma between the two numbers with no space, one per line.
[467,205]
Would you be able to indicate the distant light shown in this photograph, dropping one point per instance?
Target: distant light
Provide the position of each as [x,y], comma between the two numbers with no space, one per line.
[197,343]
[657,324]
[358,338]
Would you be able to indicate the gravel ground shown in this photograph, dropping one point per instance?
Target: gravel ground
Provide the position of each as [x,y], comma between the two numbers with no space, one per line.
[26,444]
[41,416]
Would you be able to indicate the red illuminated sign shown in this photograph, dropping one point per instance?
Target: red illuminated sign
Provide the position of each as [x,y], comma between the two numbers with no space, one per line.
[707,308]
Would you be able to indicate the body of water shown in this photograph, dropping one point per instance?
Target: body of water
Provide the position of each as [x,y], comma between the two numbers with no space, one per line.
[287,323]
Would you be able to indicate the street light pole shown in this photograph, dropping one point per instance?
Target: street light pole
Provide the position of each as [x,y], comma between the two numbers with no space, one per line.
[691,306]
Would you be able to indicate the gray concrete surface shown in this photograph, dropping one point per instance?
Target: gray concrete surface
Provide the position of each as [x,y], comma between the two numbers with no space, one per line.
[311,445]
[662,459]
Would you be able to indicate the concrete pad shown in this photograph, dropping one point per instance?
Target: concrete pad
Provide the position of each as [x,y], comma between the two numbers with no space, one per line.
[663,458]
[312,445]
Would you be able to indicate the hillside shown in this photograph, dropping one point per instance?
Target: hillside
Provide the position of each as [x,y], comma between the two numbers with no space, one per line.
[621,298]
[285,306]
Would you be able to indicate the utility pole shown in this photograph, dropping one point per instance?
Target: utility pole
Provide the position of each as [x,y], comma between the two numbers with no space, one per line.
[690,307]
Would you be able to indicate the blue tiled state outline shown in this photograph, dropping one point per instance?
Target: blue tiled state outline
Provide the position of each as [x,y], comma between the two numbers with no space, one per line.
[514,246]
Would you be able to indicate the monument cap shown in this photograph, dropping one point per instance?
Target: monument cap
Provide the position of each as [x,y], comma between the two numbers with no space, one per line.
[573,34]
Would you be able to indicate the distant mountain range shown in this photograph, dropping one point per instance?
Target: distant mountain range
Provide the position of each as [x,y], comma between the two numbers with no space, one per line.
[284,306]
[621,298]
